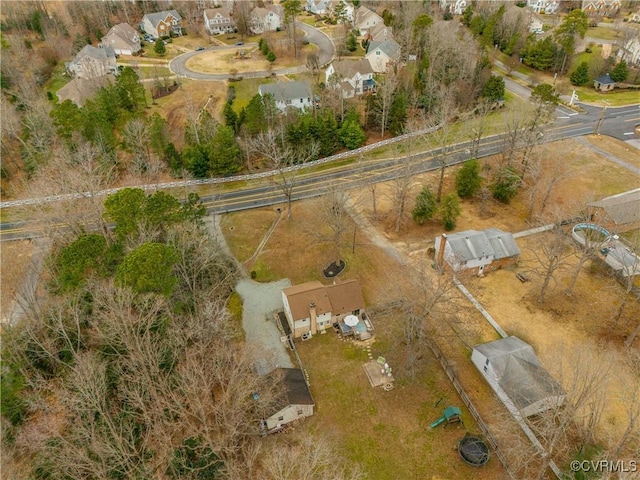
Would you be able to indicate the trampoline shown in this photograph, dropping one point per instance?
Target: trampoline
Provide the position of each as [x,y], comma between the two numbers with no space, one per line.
[473,450]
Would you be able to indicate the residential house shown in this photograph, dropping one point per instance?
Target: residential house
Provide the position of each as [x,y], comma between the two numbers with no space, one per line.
[601,8]
[79,90]
[289,94]
[294,401]
[366,19]
[453,6]
[317,7]
[379,33]
[123,39]
[267,19]
[618,213]
[635,16]
[162,24]
[548,7]
[92,62]
[535,24]
[477,251]
[381,53]
[518,378]
[313,307]
[604,83]
[354,77]
[630,52]
[218,20]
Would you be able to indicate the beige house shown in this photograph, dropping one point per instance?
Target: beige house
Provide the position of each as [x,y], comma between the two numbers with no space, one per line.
[601,8]
[294,401]
[123,39]
[92,62]
[366,19]
[380,54]
[79,90]
[218,20]
[353,77]
[267,19]
[312,307]
[630,52]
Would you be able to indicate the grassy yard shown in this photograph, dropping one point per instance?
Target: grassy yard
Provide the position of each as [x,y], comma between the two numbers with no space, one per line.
[58,79]
[245,90]
[602,33]
[617,98]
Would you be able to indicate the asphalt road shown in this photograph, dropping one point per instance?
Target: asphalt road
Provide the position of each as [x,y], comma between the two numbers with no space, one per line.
[326,51]
[617,122]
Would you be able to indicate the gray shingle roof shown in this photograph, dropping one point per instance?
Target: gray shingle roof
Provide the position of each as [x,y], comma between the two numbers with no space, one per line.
[283,91]
[518,371]
[473,244]
[389,46]
[157,17]
[348,68]
[605,79]
[621,208]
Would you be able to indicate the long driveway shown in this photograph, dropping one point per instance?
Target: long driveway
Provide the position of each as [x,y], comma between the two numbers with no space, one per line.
[326,51]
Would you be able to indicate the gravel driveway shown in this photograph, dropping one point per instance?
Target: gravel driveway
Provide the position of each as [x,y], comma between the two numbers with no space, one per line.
[259,300]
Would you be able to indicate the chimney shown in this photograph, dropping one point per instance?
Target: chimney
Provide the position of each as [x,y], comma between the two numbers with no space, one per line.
[440,254]
[314,318]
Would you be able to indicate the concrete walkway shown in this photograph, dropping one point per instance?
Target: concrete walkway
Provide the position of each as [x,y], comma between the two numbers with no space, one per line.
[609,156]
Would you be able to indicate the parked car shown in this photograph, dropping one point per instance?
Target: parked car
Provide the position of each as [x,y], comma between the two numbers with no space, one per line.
[199,49]
[240,43]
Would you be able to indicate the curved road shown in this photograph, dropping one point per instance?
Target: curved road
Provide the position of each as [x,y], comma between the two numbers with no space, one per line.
[326,51]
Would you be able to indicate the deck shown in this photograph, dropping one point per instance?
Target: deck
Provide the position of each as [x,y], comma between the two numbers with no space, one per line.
[377,376]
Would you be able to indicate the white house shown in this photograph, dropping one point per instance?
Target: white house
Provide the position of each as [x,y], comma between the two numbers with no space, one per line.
[218,20]
[313,307]
[354,77]
[453,6]
[380,53]
[289,94]
[548,7]
[162,24]
[93,62]
[294,402]
[123,39]
[267,19]
[516,375]
[366,19]
[318,7]
[477,251]
[630,52]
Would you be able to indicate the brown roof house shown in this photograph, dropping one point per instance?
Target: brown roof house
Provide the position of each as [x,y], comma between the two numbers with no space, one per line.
[79,90]
[313,307]
[219,20]
[618,213]
[477,251]
[294,401]
[162,24]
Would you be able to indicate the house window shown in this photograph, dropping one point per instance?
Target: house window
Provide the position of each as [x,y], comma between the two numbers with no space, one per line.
[378,52]
[299,411]
[280,419]
[288,101]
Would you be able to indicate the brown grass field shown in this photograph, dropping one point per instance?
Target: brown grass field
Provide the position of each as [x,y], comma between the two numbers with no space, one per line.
[387,432]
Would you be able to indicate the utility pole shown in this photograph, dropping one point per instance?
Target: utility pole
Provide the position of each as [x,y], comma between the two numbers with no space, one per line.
[601,118]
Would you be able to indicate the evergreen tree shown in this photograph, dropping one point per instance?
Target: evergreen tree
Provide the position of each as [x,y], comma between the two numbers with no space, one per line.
[196,160]
[130,91]
[620,72]
[467,15]
[505,185]
[351,134]
[580,75]
[494,89]
[450,211]
[254,116]
[468,179]
[160,48]
[224,152]
[352,42]
[398,112]
[174,159]
[149,268]
[425,207]
[230,117]
[271,57]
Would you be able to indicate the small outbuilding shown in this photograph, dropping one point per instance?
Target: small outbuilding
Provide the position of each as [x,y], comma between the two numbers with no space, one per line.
[516,375]
[604,83]
[294,401]
[476,251]
[617,213]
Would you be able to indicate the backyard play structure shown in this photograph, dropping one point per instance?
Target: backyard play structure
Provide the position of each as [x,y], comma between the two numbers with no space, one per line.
[450,415]
[596,235]
[473,450]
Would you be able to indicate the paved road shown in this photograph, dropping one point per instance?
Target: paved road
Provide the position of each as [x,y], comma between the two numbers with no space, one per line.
[326,51]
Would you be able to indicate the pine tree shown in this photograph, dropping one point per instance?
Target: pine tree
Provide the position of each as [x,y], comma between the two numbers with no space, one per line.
[450,211]
[425,207]
[468,180]
[159,48]
[620,72]
[580,76]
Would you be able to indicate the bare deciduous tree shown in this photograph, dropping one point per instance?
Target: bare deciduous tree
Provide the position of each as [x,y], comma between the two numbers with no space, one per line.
[551,256]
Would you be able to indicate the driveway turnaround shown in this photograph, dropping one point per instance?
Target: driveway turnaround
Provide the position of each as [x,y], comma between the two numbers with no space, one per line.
[259,301]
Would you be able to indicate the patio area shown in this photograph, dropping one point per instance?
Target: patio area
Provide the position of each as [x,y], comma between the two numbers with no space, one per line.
[358,326]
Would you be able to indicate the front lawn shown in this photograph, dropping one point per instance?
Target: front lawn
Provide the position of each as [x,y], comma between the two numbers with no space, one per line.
[617,98]
[245,90]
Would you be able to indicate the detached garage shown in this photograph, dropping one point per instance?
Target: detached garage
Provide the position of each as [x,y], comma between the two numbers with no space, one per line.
[514,372]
